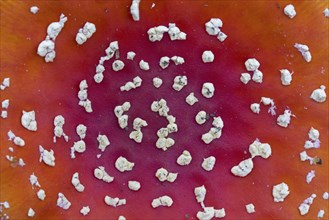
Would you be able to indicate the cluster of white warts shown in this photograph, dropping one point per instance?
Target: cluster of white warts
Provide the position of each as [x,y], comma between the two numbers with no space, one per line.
[47,49]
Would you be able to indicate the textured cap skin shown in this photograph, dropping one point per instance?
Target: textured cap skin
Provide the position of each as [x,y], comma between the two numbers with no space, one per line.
[51,89]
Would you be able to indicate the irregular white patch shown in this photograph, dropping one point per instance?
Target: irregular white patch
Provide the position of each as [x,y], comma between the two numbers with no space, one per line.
[5,83]
[162,201]
[200,194]
[76,182]
[321,212]
[46,156]
[4,114]
[34,9]
[304,50]
[34,181]
[284,119]
[131,55]
[319,95]
[85,210]
[28,120]
[243,168]
[208,56]
[257,76]
[59,122]
[122,164]
[30,213]
[289,10]
[250,208]
[310,176]
[179,83]
[208,163]
[41,194]
[280,192]
[114,202]
[81,131]
[156,33]
[144,65]
[163,175]
[184,159]
[201,117]
[326,13]
[260,149]
[157,82]
[103,142]
[286,77]
[245,78]
[325,195]
[175,33]
[255,108]
[135,83]
[5,104]
[213,28]
[134,9]
[208,90]
[252,64]
[101,174]
[177,60]
[85,33]
[164,62]
[63,202]
[191,99]
[134,185]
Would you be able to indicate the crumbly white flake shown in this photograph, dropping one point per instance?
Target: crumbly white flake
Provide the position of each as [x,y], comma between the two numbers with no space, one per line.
[131,55]
[103,142]
[252,64]
[313,134]
[260,149]
[286,77]
[280,192]
[255,108]
[28,120]
[34,9]
[5,83]
[121,217]
[85,210]
[114,202]
[157,82]
[304,50]
[243,168]
[208,163]
[135,83]
[162,201]
[201,117]
[191,99]
[63,202]
[144,65]
[184,159]
[5,104]
[179,83]
[59,122]
[134,9]
[175,33]
[325,195]
[200,193]
[85,33]
[46,156]
[213,28]
[4,114]
[101,174]
[34,181]
[30,213]
[41,194]
[326,12]
[118,65]
[250,208]
[81,131]
[257,76]
[319,95]
[177,60]
[208,90]
[164,62]
[310,176]
[122,164]
[284,119]
[289,10]
[76,182]
[156,33]
[321,212]
[208,56]
[245,78]
[163,175]
[134,185]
